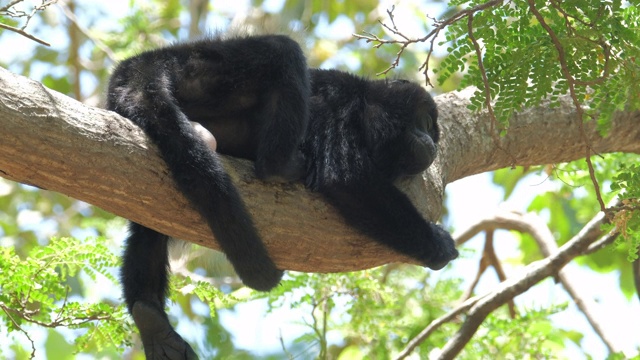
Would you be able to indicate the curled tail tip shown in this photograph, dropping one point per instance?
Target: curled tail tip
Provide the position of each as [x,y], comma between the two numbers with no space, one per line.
[264,280]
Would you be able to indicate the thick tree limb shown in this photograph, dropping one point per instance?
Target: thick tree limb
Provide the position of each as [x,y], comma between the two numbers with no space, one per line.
[51,141]
[540,135]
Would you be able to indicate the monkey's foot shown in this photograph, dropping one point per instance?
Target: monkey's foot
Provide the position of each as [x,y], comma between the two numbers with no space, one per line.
[159,339]
[442,249]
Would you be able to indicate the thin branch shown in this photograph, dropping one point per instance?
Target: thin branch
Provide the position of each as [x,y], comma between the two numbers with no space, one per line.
[490,253]
[481,306]
[547,244]
[487,90]
[7,11]
[439,26]
[571,81]
[58,322]
[600,244]
[74,19]
[483,73]
[483,264]
[24,33]
[489,258]
[534,273]
[435,324]
[8,311]
[10,5]
[606,48]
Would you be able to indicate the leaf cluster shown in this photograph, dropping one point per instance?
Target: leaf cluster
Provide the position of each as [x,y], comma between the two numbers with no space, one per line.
[376,311]
[627,220]
[588,47]
[38,290]
[530,335]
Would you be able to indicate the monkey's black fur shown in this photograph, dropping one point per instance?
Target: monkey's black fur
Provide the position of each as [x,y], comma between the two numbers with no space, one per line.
[346,137]
[362,136]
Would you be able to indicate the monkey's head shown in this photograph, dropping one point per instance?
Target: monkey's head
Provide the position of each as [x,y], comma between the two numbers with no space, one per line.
[402,127]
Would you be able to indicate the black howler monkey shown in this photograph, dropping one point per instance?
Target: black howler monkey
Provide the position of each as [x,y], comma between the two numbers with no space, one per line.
[345,137]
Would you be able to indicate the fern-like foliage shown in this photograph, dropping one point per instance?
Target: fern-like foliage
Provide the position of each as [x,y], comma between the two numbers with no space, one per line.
[589,48]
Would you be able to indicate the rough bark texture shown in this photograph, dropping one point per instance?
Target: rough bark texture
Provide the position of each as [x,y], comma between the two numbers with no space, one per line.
[53,142]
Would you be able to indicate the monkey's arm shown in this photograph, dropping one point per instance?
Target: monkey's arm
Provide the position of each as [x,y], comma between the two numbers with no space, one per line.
[382,212]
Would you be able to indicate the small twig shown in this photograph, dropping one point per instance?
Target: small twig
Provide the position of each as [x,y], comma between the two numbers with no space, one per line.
[74,19]
[392,18]
[490,253]
[9,5]
[6,310]
[64,303]
[7,11]
[439,25]
[24,33]
[284,347]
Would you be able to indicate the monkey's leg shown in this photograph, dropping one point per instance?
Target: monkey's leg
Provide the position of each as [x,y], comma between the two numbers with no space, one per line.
[145,280]
[285,114]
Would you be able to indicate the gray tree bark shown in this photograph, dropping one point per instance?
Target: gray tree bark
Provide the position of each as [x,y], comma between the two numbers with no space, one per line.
[56,143]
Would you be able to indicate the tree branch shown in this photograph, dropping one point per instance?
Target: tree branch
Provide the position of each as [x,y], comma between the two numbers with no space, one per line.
[56,143]
[536,136]
[538,229]
[53,142]
[479,307]
[24,33]
[507,290]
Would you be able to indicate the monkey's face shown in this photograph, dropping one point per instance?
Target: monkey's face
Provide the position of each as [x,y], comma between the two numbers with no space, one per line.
[420,139]
[412,133]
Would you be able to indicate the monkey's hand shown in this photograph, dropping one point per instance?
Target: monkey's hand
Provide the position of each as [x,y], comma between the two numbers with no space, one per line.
[440,250]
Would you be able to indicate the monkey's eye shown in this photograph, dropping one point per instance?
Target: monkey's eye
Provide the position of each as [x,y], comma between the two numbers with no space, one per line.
[422,125]
[427,124]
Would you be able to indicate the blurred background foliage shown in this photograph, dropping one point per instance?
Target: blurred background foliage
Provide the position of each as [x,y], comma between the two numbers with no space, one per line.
[59,297]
